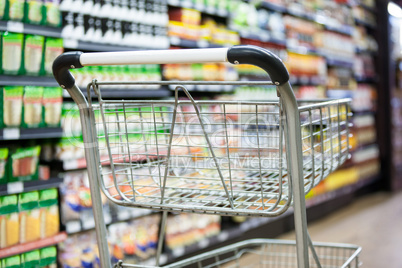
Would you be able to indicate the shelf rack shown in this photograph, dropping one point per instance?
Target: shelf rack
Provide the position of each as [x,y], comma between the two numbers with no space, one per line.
[27,186]
[19,27]
[30,133]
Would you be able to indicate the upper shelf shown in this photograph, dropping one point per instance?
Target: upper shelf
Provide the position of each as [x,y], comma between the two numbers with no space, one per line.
[19,27]
[22,187]
[210,10]
[24,80]
[30,133]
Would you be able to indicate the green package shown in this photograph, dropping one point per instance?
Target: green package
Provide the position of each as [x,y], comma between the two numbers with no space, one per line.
[53,48]
[11,262]
[48,256]
[9,221]
[12,106]
[53,14]
[33,54]
[29,216]
[3,165]
[34,12]
[49,212]
[16,10]
[52,105]
[30,259]
[12,53]
[33,107]
[23,164]
[4,9]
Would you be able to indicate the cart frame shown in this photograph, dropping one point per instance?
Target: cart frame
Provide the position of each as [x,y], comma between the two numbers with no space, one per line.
[236,55]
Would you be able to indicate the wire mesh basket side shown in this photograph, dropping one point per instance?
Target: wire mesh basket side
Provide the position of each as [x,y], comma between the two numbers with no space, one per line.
[215,157]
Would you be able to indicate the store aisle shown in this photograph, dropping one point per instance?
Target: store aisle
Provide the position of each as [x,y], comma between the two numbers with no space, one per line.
[373,222]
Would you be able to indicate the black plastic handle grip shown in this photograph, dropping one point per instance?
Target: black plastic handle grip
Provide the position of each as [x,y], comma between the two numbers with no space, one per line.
[61,68]
[262,58]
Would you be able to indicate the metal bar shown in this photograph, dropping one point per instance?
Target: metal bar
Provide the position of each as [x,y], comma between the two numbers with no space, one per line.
[92,158]
[295,165]
[161,238]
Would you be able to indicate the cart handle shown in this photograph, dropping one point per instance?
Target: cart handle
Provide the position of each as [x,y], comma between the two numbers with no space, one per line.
[254,55]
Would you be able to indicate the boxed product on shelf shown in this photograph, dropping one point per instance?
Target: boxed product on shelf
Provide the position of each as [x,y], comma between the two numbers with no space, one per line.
[48,257]
[33,54]
[136,240]
[335,44]
[30,259]
[53,48]
[34,12]
[23,164]
[187,229]
[11,106]
[16,10]
[363,67]
[29,216]
[300,65]
[49,212]
[12,48]
[364,41]
[11,262]
[3,165]
[53,14]
[301,32]
[4,11]
[33,97]
[52,102]
[9,221]
[76,199]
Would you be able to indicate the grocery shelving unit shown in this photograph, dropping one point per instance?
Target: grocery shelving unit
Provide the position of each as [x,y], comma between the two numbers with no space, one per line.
[27,186]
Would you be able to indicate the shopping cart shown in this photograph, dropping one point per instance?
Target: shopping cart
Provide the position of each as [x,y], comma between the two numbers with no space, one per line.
[230,158]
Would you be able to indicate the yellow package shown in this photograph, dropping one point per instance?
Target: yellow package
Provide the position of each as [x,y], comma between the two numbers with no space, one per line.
[49,213]
[29,216]
[9,224]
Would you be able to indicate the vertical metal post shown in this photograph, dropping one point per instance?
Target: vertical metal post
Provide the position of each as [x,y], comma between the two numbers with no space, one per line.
[92,159]
[295,164]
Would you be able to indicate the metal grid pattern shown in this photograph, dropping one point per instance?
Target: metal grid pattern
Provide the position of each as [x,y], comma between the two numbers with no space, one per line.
[226,158]
[266,253]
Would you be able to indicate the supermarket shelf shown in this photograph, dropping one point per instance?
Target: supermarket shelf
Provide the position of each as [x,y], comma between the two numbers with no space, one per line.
[200,7]
[24,80]
[27,186]
[19,27]
[338,62]
[365,24]
[30,133]
[77,226]
[90,46]
[261,35]
[365,51]
[21,248]
[366,80]
[273,7]
[207,88]
[180,42]
[342,29]
[163,92]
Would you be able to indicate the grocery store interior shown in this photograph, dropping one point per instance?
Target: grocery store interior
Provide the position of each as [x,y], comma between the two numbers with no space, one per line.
[352,149]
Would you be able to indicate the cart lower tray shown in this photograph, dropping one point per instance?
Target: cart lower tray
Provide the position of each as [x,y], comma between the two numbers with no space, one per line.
[263,253]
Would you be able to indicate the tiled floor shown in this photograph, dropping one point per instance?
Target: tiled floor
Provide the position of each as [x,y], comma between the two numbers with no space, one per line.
[374,222]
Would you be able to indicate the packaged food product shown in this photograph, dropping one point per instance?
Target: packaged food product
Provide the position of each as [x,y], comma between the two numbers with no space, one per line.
[24,164]
[29,216]
[9,223]
[11,262]
[48,256]
[33,54]
[53,14]
[3,13]
[16,10]
[33,106]
[34,12]
[12,52]
[49,212]
[30,259]
[54,47]
[3,165]
[52,104]
[12,106]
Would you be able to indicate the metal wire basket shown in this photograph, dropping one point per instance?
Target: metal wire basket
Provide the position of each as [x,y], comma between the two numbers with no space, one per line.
[219,157]
[260,253]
